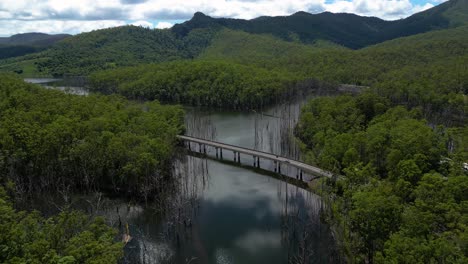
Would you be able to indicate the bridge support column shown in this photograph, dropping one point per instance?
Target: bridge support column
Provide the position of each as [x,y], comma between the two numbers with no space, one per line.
[254,163]
[189,145]
[279,168]
[235,156]
[300,174]
[199,148]
[238,157]
[276,166]
[216,152]
[258,162]
[221,153]
[204,149]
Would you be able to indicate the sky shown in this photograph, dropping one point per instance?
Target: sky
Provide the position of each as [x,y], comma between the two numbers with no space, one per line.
[76,16]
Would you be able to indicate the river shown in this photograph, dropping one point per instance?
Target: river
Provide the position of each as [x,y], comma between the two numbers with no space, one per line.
[218,213]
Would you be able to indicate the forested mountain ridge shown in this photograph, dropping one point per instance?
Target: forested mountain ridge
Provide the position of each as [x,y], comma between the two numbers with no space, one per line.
[130,45]
[33,39]
[109,48]
[22,44]
[427,70]
[349,30]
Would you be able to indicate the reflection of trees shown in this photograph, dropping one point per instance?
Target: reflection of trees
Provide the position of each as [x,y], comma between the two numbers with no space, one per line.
[308,239]
[174,212]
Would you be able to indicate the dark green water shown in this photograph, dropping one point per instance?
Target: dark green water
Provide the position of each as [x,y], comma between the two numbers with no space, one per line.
[231,214]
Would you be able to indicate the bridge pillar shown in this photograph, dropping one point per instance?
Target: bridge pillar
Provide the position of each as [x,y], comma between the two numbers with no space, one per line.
[276,166]
[258,162]
[216,152]
[204,149]
[221,153]
[254,163]
[199,147]
[238,157]
[235,156]
[300,174]
[279,168]
[189,145]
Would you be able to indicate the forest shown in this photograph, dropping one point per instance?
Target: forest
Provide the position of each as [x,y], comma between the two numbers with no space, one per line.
[70,237]
[199,83]
[54,141]
[400,146]
[403,196]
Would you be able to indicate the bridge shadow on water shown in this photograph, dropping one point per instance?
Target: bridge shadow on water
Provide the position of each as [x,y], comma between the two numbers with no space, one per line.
[263,171]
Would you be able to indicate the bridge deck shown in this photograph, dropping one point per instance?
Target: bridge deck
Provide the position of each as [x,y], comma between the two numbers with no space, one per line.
[300,165]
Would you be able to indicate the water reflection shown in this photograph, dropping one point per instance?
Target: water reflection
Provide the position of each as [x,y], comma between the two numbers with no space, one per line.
[69,85]
[216,213]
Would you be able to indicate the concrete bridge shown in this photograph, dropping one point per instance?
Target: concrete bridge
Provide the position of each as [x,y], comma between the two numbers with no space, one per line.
[277,160]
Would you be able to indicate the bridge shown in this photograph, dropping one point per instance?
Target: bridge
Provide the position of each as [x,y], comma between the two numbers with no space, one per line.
[277,160]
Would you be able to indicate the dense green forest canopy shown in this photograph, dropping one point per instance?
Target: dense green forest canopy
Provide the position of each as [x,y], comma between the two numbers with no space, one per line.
[70,237]
[428,70]
[110,48]
[403,198]
[53,141]
[200,83]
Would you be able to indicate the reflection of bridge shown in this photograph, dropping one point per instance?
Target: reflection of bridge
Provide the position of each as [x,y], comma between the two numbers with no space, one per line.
[278,161]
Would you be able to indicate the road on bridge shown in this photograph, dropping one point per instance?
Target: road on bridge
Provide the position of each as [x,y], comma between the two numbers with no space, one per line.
[259,154]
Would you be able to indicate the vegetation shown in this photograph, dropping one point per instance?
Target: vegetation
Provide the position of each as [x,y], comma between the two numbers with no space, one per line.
[70,237]
[401,146]
[201,83]
[22,44]
[427,70]
[349,30]
[53,141]
[114,47]
[130,45]
[403,195]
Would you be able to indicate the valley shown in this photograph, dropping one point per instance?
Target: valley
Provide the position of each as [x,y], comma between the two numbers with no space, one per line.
[97,143]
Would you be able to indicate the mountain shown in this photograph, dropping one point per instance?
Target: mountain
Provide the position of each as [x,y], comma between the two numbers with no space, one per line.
[33,39]
[113,47]
[349,30]
[284,39]
[22,44]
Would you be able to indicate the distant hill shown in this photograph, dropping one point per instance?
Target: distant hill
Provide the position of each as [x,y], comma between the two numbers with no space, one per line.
[349,30]
[264,40]
[22,44]
[33,39]
[113,47]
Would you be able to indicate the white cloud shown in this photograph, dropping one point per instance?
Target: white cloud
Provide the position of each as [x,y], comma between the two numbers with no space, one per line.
[58,16]
[162,25]
[12,27]
[386,9]
[143,23]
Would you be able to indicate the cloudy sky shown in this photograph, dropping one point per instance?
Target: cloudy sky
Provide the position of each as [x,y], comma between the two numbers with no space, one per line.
[75,16]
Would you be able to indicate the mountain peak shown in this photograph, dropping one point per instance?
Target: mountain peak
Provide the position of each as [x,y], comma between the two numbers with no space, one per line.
[301,13]
[199,15]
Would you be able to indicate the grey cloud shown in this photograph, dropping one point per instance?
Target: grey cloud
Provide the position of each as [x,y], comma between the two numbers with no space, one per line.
[399,12]
[362,7]
[244,1]
[71,14]
[165,14]
[132,2]
[315,8]
[98,14]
